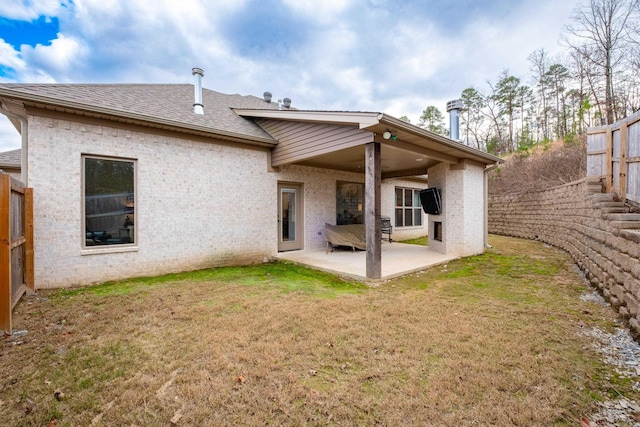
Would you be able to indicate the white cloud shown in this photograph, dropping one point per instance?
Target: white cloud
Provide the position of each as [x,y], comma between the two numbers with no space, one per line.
[28,10]
[9,57]
[379,55]
[325,11]
[60,57]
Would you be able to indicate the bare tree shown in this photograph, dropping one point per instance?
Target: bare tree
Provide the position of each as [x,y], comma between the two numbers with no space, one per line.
[492,111]
[556,78]
[540,63]
[472,117]
[581,70]
[603,28]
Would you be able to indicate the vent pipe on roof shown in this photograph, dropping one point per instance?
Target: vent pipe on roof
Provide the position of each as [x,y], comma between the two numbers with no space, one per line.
[453,108]
[198,108]
[267,97]
[286,102]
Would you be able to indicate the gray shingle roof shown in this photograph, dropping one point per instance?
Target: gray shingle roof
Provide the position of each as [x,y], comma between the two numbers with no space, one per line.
[10,158]
[151,102]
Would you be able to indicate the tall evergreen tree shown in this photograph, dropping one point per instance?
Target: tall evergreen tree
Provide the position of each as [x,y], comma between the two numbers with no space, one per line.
[433,120]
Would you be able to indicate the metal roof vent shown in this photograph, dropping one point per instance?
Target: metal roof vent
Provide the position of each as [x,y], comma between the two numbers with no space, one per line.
[453,108]
[198,108]
[286,102]
[267,97]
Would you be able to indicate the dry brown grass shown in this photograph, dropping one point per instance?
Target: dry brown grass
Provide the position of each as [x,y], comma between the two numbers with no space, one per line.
[489,340]
[545,166]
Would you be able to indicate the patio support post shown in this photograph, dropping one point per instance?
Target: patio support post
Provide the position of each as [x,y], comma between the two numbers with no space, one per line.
[373,176]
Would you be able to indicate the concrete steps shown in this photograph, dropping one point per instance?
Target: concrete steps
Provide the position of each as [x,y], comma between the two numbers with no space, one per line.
[633,235]
[626,225]
[594,187]
[619,205]
[600,197]
[626,217]
[616,212]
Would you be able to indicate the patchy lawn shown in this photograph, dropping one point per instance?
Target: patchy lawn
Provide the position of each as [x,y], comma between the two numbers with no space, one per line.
[487,340]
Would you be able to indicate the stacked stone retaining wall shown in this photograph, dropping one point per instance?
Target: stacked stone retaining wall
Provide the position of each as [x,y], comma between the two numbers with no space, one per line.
[601,235]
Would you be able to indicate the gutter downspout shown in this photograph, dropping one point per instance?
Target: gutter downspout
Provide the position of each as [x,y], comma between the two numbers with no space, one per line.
[486,203]
[24,132]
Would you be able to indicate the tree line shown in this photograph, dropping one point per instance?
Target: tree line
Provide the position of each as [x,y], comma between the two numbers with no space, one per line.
[595,82]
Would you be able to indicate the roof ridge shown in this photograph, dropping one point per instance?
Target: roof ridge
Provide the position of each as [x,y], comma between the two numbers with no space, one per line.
[163,104]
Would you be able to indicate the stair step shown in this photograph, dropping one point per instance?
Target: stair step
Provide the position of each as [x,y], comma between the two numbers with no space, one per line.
[614,210]
[622,217]
[628,225]
[601,197]
[610,205]
[633,235]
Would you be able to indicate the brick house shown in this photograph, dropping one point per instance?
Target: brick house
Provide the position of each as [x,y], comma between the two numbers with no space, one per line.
[144,179]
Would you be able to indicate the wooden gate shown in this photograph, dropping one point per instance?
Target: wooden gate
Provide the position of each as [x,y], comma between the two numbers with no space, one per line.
[16,245]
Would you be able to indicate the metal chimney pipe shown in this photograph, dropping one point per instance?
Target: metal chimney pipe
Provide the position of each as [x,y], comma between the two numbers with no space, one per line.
[453,108]
[198,108]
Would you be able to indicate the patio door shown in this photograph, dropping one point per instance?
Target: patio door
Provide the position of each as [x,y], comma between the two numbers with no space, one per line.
[290,217]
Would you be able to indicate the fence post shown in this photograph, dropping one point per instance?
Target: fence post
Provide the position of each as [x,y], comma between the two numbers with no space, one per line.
[624,131]
[609,165]
[28,234]
[5,253]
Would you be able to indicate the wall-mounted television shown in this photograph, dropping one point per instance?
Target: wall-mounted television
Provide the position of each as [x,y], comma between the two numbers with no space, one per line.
[431,201]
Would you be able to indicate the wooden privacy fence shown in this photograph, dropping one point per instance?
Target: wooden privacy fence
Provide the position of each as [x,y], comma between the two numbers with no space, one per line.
[613,152]
[16,245]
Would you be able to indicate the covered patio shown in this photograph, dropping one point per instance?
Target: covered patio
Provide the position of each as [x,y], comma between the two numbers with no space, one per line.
[383,147]
[398,259]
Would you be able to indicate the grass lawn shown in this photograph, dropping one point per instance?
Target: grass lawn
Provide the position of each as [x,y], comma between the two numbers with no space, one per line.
[424,241]
[487,340]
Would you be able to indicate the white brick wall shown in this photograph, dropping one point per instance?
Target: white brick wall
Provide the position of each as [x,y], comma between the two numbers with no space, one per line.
[473,185]
[462,192]
[198,204]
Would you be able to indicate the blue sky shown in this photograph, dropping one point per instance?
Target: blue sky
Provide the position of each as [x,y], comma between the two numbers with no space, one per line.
[396,56]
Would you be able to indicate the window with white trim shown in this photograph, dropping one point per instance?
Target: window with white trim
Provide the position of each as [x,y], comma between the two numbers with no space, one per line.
[109,201]
[408,207]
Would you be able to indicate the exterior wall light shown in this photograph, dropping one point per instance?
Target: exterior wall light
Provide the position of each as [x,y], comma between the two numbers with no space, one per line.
[386,135]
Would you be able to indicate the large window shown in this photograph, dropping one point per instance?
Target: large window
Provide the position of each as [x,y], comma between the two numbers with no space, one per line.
[349,203]
[408,207]
[109,201]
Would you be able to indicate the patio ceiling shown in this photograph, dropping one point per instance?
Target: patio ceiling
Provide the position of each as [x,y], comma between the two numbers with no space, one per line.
[411,150]
[395,162]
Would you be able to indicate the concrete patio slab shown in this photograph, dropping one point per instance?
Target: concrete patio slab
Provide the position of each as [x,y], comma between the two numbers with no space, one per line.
[398,259]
